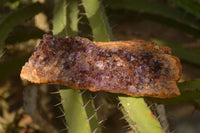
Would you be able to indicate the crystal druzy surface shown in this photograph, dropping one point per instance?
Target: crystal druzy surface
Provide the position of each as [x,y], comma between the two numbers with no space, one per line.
[136,68]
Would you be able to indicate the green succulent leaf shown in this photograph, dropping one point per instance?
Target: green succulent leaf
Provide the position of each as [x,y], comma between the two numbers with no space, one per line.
[190,91]
[59,18]
[15,18]
[98,20]
[191,6]
[192,84]
[72,17]
[78,113]
[157,9]
[139,115]
[23,33]
[161,13]
[184,53]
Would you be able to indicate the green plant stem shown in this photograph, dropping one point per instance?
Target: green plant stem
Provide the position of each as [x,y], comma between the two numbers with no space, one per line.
[15,18]
[190,91]
[140,114]
[193,84]
[162,13]
[88,101]
[98,20]
[75,112]
[157,8]
[59,18]
[18,34]
[72,17]
[186,54]
[191,6]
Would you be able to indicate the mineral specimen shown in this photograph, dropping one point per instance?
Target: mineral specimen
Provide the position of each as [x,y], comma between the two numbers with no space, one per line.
[135,68]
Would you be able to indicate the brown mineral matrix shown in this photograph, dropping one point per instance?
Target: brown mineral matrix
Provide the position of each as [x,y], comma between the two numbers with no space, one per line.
[136,68]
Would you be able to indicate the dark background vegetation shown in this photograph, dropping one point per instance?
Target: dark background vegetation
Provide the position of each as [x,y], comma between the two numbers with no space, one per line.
[169,22]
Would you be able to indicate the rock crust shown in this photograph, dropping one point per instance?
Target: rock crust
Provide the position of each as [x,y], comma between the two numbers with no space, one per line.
[135,68]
